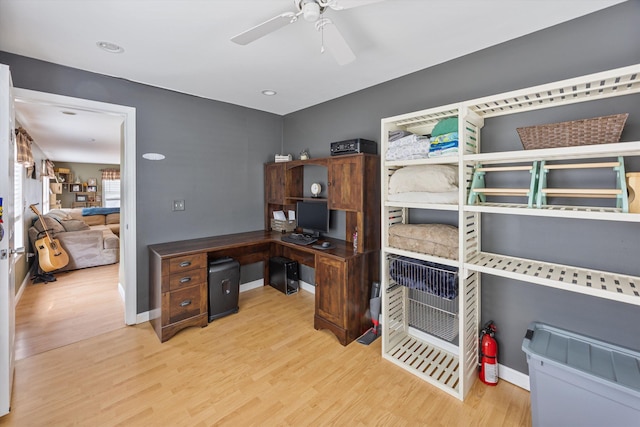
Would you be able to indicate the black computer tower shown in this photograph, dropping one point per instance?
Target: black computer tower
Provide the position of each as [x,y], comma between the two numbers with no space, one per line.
[283,274]
[224,287]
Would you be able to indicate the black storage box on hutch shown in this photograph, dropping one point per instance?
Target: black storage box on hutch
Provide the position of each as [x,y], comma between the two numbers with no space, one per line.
[224,287]
[283,274]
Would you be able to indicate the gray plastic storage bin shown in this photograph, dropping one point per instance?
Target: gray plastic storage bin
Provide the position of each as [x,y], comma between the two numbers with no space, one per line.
[578,381]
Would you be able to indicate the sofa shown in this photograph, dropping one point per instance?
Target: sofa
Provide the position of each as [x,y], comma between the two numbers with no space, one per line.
[90,236]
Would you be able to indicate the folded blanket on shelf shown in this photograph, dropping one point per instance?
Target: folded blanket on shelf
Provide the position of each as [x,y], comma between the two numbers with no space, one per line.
[444,145]
[453,151]
[409,147]
[447,137]
[397,134]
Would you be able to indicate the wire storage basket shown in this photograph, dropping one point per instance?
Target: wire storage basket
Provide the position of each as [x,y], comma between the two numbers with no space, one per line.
[598,130]
[432,295]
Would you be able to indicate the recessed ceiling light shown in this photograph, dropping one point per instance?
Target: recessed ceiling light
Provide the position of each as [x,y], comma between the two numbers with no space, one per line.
[269,92]
[110,47]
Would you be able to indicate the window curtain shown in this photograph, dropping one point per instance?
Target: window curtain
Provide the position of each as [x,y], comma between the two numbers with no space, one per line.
[23,144]
[47,169]
[110,173]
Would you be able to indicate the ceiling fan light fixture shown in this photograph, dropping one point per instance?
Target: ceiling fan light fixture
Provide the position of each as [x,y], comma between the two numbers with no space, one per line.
[311,11]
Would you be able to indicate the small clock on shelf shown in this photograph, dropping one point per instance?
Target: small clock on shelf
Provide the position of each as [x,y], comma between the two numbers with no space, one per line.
[316,188]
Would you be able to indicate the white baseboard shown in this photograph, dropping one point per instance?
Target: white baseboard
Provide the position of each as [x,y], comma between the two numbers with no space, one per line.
[251,285]
[25,281]
[260,282]
[142,317]
[121,291]
[307,287]
[514,377]
[145,316]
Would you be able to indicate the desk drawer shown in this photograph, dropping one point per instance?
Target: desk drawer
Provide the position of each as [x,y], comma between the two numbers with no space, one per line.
[188,278]
[184,303]
[187,262]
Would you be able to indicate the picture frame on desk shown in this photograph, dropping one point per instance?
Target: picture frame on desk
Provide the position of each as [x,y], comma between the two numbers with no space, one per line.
[75,188]
[92,188]
[81,197]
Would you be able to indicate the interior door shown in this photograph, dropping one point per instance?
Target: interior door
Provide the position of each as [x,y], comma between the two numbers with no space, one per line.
[7,252]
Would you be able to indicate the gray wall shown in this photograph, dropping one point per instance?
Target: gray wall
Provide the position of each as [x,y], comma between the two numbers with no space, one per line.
[604,40]
[214,156]
[215,153]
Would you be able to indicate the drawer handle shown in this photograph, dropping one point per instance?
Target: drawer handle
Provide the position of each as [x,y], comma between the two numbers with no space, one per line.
[185,303]
[185,279]
[185,263]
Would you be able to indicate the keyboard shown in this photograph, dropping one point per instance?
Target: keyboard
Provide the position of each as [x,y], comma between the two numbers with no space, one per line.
[298,239]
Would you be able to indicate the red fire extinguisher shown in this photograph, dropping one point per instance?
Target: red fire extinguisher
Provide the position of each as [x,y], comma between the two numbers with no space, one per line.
[488,354]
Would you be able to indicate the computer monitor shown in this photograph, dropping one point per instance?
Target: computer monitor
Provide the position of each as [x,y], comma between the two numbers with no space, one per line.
[313,217]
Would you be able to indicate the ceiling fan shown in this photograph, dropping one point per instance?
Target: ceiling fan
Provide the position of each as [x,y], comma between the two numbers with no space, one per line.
[311,11]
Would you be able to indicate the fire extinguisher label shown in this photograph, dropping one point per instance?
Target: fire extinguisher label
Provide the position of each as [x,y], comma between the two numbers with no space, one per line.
[491,373]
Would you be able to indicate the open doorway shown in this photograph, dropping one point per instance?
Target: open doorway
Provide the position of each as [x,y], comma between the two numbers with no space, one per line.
[127,267]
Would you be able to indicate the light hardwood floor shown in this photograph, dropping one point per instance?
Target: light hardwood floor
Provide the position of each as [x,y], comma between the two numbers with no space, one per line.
[265,365]
[80,304]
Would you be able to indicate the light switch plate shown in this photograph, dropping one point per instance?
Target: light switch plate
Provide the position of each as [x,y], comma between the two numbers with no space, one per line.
[178,205]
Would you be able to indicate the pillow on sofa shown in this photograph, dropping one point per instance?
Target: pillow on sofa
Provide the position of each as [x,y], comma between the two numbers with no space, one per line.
[53,226]
[58,214]
[74,225]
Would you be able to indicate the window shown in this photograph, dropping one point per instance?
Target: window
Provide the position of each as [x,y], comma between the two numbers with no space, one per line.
[18,204]
[46,195]
[111,193]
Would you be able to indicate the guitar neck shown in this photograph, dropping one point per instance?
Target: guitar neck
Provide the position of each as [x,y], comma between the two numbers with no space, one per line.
[44,224]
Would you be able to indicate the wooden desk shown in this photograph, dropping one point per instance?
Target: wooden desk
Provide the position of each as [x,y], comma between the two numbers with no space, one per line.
[178,273]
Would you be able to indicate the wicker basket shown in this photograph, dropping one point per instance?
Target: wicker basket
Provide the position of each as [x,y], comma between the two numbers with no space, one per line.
[285,226]
[599,130]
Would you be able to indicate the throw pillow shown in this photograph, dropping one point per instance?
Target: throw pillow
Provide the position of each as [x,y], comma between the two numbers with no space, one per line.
[53,226]
[428,178]
[445,126]
[58,214]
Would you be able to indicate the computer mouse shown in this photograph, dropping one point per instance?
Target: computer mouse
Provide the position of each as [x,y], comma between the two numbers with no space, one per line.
[326,244]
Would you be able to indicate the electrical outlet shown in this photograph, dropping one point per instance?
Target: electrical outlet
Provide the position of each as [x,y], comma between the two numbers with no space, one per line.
[178,205]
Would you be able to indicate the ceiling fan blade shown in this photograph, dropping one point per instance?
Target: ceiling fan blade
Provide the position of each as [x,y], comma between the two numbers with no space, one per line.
[349,4]
[335,43]
[265,28]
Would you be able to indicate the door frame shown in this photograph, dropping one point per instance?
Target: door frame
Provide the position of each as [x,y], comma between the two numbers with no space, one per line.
[128,254]
[7,246]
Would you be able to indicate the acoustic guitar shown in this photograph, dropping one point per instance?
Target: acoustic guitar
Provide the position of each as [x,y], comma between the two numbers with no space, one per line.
[51,256]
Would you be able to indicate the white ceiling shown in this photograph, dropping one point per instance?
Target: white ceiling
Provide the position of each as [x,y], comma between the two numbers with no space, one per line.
[184,45]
